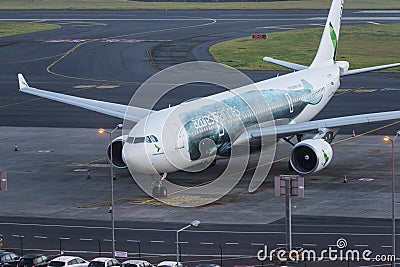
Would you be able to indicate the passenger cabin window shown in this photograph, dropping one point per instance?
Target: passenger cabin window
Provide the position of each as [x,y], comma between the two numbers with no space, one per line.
[138,140]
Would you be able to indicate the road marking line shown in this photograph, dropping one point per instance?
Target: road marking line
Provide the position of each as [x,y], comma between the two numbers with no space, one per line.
[361,245]
[107,240]
[137,241]
[257,244]
[182,242]
[365,90]
[309,245]
[40,237]
[107,86]
[157,241]
[85,239]
[231,243]
[281,244]
[206,243]
[84,86]
[386,246]
[64,238]
[194,231]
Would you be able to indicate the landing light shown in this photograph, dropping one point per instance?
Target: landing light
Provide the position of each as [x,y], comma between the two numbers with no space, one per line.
[387,139]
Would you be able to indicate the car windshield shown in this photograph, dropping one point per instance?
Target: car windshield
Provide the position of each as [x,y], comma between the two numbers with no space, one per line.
[56,263]
[96,264]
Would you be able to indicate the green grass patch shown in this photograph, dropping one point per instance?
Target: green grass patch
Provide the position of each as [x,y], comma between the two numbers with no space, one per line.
[14,28]
[362,45]
[125,4]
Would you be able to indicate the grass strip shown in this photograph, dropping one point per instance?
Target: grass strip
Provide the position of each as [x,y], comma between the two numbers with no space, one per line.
[362,45]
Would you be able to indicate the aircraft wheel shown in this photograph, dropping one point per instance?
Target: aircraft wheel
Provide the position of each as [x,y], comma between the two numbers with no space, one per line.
[163,192]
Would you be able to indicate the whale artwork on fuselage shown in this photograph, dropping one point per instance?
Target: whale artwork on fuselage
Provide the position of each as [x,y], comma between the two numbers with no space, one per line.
[209,121]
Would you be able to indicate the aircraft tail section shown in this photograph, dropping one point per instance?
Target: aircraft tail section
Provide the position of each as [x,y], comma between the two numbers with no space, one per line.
[326,54]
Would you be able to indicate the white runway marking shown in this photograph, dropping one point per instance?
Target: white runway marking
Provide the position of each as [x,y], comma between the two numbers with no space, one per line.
[85,239]
[378,12]
[40,237]
[363,18]
[309,245]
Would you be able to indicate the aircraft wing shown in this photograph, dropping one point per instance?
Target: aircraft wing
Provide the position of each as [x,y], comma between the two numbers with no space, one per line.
[304,127]
[285,64]
[111,109]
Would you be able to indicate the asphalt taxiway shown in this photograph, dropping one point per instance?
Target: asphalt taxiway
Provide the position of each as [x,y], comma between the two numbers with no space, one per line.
[106,56]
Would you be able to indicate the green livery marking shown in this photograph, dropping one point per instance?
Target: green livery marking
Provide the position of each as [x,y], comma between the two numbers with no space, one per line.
[158,148]
[326,158]
[334,39]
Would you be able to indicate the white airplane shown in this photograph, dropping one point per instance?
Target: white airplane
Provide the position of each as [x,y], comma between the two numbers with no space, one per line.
[294,100]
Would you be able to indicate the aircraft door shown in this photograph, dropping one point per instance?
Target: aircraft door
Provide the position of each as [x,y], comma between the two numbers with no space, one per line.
[179,135]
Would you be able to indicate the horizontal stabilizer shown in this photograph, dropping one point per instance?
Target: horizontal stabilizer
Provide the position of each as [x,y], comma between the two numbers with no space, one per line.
[285,64]
[357,71]
[111,109]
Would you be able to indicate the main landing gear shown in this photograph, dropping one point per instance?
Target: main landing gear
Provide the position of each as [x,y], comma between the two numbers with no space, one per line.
[159,190]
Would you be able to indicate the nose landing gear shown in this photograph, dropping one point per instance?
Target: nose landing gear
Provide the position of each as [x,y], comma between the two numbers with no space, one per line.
[159,190]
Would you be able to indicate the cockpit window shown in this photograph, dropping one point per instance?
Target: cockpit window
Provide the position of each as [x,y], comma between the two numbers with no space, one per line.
[138,140]
[153,139]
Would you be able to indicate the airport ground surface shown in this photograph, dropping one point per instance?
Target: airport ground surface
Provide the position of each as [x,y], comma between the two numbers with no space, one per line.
[47,177]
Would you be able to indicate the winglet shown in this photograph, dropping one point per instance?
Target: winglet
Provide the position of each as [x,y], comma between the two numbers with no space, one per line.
[22,82]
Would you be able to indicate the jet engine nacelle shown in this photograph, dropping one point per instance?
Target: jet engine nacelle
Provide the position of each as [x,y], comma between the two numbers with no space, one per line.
[310,156]
[118,158]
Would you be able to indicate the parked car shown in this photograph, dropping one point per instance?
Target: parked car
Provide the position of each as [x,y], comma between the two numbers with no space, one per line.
[169,264]
[30,260]
[104,262]
[8,259]
[136,263]
[69,261]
